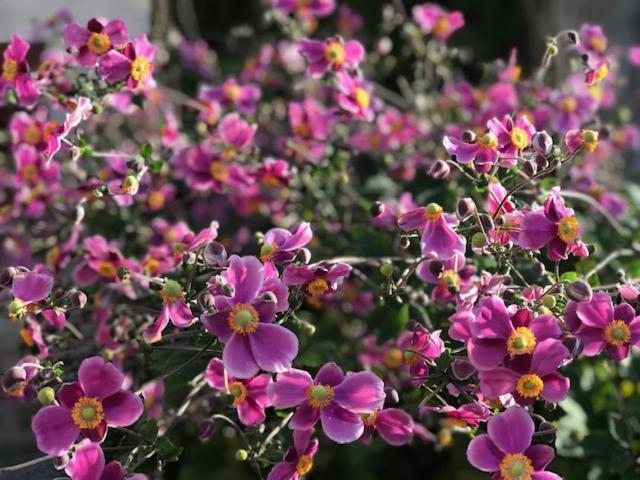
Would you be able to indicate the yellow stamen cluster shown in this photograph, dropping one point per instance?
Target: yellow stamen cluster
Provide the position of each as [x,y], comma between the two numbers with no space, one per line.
[243,319]
[239,392]
[433,212]
[32,135]
[519,138]
[392,358]
[107,269]
[362,97]
[489,140]
[521,341]
[568,229]
[87,413]
[304,465]
[232,92]
[335,53]
[568,104]
[320,396]
[317,287]
[99,43]
[442,27]
[516,466]
[267,251]
[529,386]
[10,70]
[617,333]
[369,419]
[140,68]
[219,171]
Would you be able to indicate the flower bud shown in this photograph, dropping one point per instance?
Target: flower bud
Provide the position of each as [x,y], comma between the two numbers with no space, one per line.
[478,240]
[573,37]
[130,184]
[392,395]
[76,298]
[469,136]
[541,161]
[227,290]
[487,222]
[386,269]
[206,301]
[304,255]
[241,455]
[6,276]
[547,432]
[465,208]
[377,209]
[538,268]
[206,428]
[573,344]
[13,378]
[589,136]
[215,255]
[579,291]
[462,368]
[405,242]
[529,168]
[555,163]
[269,297]
[439,170]
[59,463]
[46,396]
[436,267]
[542,142]
[549,301]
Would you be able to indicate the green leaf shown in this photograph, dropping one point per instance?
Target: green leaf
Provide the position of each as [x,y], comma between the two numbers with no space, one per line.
[146,150]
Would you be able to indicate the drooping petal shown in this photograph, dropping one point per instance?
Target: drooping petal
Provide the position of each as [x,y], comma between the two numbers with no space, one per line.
[395,426]
[87,462]
[360,392]
[305,417]
[555,387]
[340,425]
[122,409]
[596,313]
[250,412]
[54,430]
[238,358]
[537,231]
[483,454]
[246,275]
[512,430]
[548,356]
[290,388]
[540,455]
[486,354]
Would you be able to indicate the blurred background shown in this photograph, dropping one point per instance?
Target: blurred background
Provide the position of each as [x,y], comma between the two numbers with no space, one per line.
[492,30]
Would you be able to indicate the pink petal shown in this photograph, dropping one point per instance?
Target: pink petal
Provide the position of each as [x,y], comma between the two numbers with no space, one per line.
[99,378]
[54,430]
[122,409]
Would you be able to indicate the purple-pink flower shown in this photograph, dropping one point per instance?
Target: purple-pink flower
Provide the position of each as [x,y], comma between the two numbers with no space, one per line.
[482,152]
[15,71]
[96,39]
[86,407]
[249,395]
[243,97]
[280,245]
[395,426]
[134,65]
[331,54]
[506,450]
[29,288]
[331,397]
[298,461]
[433,19]
[354,96]
[174,309]
[318,279]
[88,463]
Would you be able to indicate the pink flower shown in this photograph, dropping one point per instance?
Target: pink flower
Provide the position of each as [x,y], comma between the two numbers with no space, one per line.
[395,426]
[235,133]
[88,463]
[335,399]
[433,19]
[95,40]
[15,71]
[592,39]
[576,139]
[280,246]
[318,279]
[29,288]
[243,97]
[306,10]
[174,309]
[32,129]
[86,407]
[249,395]
[634,55]
[153,395]
[333,53]
[420,348]
[354,96]
[513,137]
[298,461]
[483,151]
[134,65]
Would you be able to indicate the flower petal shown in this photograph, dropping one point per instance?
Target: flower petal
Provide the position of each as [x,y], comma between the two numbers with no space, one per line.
[512,430]
[483,454]
[99,378]
[55,431]
[122,409]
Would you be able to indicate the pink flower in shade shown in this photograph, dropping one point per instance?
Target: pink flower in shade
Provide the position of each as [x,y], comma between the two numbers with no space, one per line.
[629,292]
[86,407]
[348,22]
[249,396]
[310,120]
[134,65]
[512,71]
[32,169]
[555,227]
[330,54]
[243,97]
[601,326]
[572,109]
[280,246]
[438,240]
[331,397]
[243,321]
[274,173]
[88,463]
[32,129]
[81,112]
[153,396]
[420,348]
[506,451]
[596,74]
[102,261]
[453,276]
[174,309]
[236,134]
[95,40]
[513,137]
[433,19]
[29,288]
[497,334]
[395,426]
[354,96]
[307,9]
[318,279]
[592,39]
[20,387]
[467,415]
[15,71]
[528,377]
[634,55]
[298,461]
[482,153]
[576,139]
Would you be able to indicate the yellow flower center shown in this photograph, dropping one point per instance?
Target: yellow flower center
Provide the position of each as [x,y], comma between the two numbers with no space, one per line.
[243,319]
[617,333]
[30,173]
[601,73]
[317,287]
[489,140]
[519,138]
[363,99]
[140,68]
[599,44]
[450,279]
[442,27]
[521,341]
[568,229]
[48,129]
[302,130]
[392,358]
[568,105]
[433,212]
[87,413]
[516,466]
[27,338]
[107,269]
[219,171]
[335,54]
[455,422]
[529,386]
[369,419]
[99,43]
[232,92]
[10,70]
[239,392]
[267,251]
[171,291]
[53,255]
[156,200]
[589,140]
[32,135]
[304,465]
[411,357]
[148,402]
[320,396]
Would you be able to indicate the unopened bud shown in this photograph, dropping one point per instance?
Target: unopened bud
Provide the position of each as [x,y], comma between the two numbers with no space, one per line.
[579,291]
[76,298]
[462,368]
[546,432]
[206,301]
[59,463]
[6,276]
[542,142]
[465,208]
[439,169]
[573,37]
[478,240]
[269,297]
[386,269]
[529,168]
[46,396]
[215,255]
[241,455]
[436,267]
[130,184]
[206,428]
[538,268]
[573,344]
[13,378]
[541,161]
[487,222]
[469,136]
[405,243]
[377,209]
[227,290]
[392,395]
[549,301]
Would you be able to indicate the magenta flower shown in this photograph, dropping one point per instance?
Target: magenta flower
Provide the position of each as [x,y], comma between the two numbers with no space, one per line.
[29,288]
[395,426]
[95,40]
[601,326]
[318,279]
[153,395]
[15,71]
[438,240]
[420,348]
[592,39]
[354,96]
[32,169]
[482,152]
[433,19]
[513,137]
[310,120]
[555,227]
[88,463]
[576,139]
[235,133]
[332,53]
[249,396]
[298,461]
[530,376]
[469,414]
[17,381]
[243,97]
[572,110]
[496,333]
[244,323]
[101,261]
[134,65]
[333,398]
[32,129]
[280,246]
[87,407]
[306,10]
[174,309]
[506,451]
